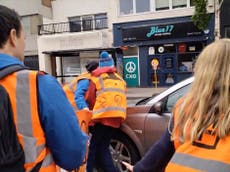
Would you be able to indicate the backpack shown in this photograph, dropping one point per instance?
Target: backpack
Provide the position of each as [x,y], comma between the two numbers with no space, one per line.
[12,156]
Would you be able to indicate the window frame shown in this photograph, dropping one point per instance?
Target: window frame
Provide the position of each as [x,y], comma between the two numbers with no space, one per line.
[91,18]
[153,7]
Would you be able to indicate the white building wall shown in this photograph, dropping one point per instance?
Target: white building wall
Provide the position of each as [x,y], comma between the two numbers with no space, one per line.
[62,9]
[35,10]
[28,7]
[95,39]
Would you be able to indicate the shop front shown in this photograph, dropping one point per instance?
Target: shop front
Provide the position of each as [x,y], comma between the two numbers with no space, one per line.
[166,49]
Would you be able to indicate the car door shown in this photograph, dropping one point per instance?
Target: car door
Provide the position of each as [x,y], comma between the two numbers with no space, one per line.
[157,119]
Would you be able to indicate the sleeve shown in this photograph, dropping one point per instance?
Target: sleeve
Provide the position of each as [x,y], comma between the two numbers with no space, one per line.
[157,156]
[82,87]
[91,95]
[63,135]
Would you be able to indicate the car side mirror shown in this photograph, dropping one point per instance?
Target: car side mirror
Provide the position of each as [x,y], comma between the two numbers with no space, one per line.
[157,108]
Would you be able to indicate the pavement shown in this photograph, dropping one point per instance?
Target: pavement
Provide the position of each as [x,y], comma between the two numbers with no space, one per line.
[143,92]
[136,94]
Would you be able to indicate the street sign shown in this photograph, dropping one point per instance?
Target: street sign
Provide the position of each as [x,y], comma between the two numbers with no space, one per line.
[131,74]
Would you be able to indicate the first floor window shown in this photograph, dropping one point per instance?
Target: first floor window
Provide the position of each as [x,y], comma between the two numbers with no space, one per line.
[101,21]
[126,7]
[75,24]
[142,6]
[162,4]
[87,23]
[179,3]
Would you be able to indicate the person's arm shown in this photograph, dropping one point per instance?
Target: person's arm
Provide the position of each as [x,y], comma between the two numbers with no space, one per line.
[91,95]
[63,135]
[157,156]
[82,87]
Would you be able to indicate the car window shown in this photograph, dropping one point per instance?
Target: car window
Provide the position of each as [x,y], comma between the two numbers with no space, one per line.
[172,98]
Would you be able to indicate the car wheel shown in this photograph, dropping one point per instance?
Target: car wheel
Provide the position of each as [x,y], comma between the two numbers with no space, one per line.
[123,149]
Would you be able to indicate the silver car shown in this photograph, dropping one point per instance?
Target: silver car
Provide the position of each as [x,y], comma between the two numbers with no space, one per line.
[146,121]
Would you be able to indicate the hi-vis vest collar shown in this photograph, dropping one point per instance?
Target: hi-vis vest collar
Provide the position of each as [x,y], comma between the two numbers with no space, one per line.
[209,153]
[22,89]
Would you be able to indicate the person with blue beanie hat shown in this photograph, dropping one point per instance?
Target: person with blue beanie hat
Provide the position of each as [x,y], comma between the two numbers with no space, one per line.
[107,98]
[105,60]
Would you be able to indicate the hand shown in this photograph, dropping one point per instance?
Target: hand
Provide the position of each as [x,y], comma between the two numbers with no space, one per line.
[128,166]
[86,108]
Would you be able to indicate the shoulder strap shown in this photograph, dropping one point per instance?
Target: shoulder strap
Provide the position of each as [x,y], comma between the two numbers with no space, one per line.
[10,69]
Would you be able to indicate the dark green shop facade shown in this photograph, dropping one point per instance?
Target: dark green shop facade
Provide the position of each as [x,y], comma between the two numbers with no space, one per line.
[159,52]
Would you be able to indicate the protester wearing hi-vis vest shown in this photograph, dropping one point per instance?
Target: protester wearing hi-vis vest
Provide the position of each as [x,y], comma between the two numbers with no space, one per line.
[198,136]
[46,124]
[107,92]
[79,87]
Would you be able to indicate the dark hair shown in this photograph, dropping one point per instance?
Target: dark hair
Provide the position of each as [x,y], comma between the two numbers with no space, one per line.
[9,19]
[91,66]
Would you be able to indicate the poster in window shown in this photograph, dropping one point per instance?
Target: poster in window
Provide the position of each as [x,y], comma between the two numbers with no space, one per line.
[169,63]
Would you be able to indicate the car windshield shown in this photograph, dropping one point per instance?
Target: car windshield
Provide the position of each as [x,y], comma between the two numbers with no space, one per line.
[173,93]
[145,100]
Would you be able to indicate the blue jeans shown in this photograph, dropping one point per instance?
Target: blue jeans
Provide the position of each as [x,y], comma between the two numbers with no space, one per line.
[99,149]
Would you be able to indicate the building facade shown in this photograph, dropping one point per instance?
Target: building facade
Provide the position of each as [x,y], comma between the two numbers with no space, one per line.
[77,33]
[153,42]
[31,13]
[162,47]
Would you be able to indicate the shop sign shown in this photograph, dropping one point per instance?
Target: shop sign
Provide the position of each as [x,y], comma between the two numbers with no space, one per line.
[131,75]
[164,31]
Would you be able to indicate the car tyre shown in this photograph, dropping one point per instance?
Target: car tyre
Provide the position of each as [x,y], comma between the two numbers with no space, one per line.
[123,149]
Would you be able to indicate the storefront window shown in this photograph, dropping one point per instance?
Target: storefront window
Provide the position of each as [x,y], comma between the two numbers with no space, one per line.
[179,3]
[169,62]
[187,54]
[227,32]
[70,68]
[130,51]
[165,48]
[142,6]
[190,47]
[162,4]
[169,78]
[186,62]
[126,7]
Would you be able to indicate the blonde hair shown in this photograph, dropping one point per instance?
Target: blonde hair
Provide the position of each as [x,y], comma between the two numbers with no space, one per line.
[208,101]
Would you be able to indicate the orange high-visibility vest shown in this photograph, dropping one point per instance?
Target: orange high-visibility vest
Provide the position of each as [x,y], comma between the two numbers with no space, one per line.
[22,89]
[70,88]
[110,96]
[209,153]
[83,116]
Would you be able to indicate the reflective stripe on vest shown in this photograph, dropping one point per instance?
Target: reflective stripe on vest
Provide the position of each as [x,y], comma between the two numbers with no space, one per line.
[208,153]
[70,89]
[22,88]
[199,164]
[114,98]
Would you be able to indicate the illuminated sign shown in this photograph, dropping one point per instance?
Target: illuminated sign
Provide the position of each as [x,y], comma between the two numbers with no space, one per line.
[162,31]
[155,30]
